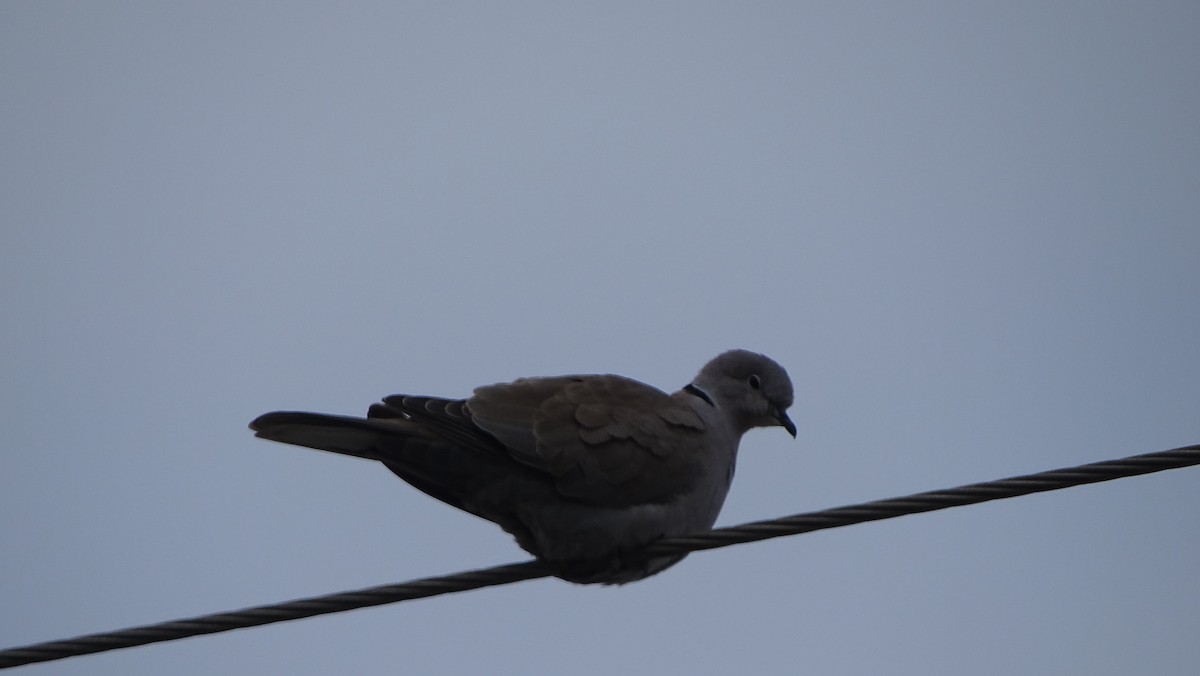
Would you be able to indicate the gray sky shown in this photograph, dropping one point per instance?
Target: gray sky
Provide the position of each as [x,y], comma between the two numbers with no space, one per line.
[971,233]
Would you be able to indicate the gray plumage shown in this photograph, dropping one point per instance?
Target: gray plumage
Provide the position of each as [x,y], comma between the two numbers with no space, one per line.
[582,470]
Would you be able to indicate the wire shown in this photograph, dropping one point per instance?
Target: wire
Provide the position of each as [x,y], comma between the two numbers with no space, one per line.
[930,501]
[515,572]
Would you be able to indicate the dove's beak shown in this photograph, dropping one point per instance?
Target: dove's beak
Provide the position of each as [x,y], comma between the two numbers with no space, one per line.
[785,422]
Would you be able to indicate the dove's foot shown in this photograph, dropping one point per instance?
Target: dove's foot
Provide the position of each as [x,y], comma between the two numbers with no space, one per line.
[618,569]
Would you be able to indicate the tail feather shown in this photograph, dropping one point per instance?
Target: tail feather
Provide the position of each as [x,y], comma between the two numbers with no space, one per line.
[470,472]
[347,435]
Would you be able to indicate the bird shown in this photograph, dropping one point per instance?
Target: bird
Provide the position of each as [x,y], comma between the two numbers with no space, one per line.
[582,470]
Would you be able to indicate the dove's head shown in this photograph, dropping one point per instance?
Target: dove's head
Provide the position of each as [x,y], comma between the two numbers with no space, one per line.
[751,388]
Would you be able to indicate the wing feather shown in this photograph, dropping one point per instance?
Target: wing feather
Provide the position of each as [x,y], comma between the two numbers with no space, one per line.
[606,440]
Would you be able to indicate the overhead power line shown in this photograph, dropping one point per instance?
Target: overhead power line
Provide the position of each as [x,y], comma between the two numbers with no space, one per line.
[515,572]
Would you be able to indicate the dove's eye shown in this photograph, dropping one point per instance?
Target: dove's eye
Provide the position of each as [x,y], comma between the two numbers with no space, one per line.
[755,383]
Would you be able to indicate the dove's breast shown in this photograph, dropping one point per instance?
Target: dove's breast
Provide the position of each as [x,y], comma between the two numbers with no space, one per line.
[575,532]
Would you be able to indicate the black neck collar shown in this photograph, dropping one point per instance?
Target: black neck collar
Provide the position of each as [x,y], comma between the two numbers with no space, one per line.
[692,389]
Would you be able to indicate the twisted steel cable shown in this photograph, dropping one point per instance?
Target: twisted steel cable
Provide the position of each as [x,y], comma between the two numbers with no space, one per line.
[515,572]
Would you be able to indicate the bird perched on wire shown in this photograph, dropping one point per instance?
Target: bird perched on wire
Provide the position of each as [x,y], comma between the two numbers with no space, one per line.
[582,470]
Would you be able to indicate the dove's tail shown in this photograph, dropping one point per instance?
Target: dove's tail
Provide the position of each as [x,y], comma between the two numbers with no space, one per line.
[464,471]
[336,433]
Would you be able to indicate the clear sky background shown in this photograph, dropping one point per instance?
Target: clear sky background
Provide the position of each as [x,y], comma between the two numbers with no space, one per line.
[971,233]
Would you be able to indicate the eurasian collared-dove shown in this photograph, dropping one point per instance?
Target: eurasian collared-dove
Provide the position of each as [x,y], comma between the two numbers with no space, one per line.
[580,469]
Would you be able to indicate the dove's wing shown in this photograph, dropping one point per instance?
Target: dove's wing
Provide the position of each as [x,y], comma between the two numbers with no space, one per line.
[607,440]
